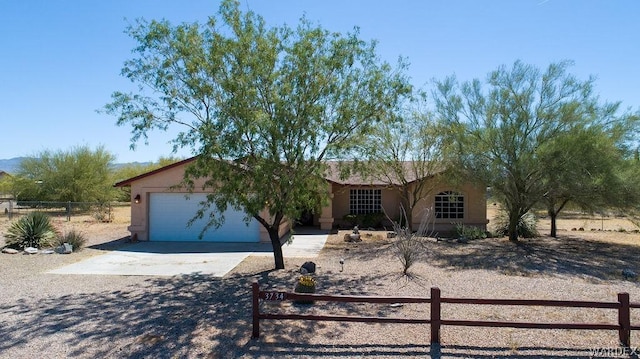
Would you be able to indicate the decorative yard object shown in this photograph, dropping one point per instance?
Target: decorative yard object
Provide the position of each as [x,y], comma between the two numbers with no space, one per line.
[310,267]
[628,274]
[306,284]
[64,248]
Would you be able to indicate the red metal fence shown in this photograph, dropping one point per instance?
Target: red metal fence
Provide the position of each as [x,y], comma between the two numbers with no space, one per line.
[623,307]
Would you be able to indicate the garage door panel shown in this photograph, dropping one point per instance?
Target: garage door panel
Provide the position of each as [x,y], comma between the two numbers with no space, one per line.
[170,213]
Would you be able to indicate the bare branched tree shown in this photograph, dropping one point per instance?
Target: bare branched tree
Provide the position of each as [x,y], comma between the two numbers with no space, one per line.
[409,247]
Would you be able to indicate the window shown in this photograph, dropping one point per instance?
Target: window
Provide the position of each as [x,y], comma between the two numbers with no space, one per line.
[363,201]
[449,205]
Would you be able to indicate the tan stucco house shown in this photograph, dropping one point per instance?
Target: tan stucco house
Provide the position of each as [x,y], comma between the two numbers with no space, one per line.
[160,212]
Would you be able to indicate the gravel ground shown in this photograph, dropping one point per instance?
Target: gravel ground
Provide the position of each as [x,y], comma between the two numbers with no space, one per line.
[58,316]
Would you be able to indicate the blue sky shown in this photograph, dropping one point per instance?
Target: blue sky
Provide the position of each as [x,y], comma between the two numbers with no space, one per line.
[60,60]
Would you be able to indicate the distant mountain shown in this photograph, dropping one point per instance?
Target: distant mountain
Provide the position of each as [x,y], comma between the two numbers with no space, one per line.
[118,165]
[11,165]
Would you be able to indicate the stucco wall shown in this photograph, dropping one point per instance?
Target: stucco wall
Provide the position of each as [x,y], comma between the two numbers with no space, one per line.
[475,210]
[340,205]
[163,182]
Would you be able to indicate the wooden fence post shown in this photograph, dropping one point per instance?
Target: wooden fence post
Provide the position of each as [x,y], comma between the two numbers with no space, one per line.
[624,320]
[256,310]
[435,315]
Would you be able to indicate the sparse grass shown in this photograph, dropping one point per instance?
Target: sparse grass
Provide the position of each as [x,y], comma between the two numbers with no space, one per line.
[74,237]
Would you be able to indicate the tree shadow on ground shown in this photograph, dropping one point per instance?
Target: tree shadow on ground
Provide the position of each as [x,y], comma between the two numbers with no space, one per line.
[298,350]
[563,256]
[182,316]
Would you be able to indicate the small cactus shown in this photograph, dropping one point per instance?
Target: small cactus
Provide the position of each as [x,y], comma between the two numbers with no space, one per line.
[305,284]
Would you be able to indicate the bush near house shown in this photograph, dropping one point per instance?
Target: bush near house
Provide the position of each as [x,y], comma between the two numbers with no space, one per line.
[527,225]
[33,230]
[368,220]
[73,237]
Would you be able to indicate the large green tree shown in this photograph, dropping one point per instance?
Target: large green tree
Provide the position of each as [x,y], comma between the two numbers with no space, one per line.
[586,168]
[77,175]
[261,106]
[502,127]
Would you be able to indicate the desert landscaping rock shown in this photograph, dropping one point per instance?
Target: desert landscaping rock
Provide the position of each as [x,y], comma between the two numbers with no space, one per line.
[200,316]
[10,251]
[30,250]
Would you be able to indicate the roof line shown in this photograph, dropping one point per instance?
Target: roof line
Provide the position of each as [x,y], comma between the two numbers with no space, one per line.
[127,182]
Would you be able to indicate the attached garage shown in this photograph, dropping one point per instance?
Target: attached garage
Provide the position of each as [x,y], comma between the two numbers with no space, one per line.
[170,213]
[161,211]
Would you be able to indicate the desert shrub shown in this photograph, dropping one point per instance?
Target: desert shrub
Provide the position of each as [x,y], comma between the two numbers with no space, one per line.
[469,232]
[74,238]
[410,247]
[102,212]
[526,225]
[368,220]
[373,220]
[32,230]
[351,219]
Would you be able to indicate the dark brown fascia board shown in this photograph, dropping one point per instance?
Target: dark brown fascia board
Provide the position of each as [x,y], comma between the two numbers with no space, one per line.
[128,182]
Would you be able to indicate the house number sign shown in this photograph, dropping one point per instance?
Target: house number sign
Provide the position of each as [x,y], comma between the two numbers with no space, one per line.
[274,296]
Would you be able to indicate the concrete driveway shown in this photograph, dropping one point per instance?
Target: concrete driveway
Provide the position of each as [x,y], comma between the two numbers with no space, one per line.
[175,258]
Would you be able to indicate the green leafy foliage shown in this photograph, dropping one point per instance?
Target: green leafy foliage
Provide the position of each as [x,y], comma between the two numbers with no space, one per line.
[77,175]
[368,220]
[263,107]
[510,129]
[32,230]
[469,232]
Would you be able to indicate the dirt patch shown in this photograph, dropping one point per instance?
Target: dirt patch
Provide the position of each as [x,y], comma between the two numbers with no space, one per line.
[198,316]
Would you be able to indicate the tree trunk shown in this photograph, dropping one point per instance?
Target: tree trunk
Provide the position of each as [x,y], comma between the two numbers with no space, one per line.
[554,228]
[409,219]
[408,210]
[513,227]
[277,247]
[553,214]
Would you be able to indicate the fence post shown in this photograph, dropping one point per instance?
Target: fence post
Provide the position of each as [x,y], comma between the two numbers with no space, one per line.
[435,315]
[256,311]
[68,211]
[624,320]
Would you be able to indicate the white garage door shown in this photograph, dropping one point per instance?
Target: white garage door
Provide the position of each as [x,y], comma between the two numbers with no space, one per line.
[169,214]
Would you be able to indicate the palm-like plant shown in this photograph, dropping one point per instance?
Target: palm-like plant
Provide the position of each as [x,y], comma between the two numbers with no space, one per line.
[33,230]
